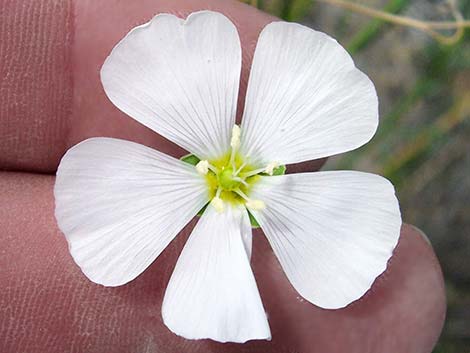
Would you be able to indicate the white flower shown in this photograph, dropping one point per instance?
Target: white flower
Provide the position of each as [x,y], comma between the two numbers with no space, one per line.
[119,203]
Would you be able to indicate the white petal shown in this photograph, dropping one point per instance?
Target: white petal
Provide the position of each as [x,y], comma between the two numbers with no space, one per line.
[119,204]
[305,98]
[212,292]
[333,232]
[247,238]
[180,78]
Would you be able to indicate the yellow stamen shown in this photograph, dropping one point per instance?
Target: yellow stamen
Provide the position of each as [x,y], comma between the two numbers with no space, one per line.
[240,169]
[218,204]
[235,141]
[270,167]
[231,176]
[255,205]
[252,173]
[202,167]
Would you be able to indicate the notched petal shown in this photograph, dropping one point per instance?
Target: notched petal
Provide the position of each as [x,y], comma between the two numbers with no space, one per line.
[180,78]
[305,98]
[333,232]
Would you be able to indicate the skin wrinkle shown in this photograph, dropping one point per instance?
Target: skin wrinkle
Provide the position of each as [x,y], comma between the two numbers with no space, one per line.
[48,305]
[36,85]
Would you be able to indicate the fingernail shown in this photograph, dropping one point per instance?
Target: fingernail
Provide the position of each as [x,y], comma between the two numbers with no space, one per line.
[423,235]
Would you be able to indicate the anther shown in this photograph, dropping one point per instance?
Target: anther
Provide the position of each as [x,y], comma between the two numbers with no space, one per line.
[218,204]
[235,140]
[202,167]
[234,143]
[270,167]
[255,205]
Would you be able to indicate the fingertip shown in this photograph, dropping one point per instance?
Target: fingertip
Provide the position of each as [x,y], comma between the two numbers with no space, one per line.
[421,233]
[431,294]
[404,311]
[409,297]
[305,167]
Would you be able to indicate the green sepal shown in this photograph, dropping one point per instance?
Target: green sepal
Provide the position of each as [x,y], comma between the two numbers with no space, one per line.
[190,159]
[253,221]
[281,170]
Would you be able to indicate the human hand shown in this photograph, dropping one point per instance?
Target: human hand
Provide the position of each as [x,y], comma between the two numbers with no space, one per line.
[53,100]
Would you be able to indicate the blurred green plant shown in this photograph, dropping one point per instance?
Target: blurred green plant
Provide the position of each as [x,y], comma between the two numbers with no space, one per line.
[372,29]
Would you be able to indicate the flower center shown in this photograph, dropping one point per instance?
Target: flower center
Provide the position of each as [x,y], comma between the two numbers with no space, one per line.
[227,180]
[231,177]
